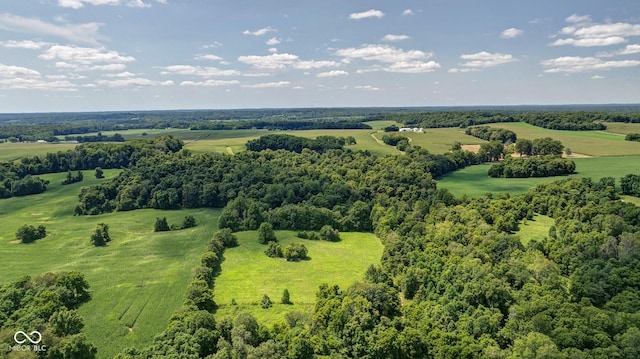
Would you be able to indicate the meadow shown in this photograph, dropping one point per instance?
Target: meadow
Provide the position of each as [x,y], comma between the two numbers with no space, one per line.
[137,281]
[474,180]
[11,151]
[247,273]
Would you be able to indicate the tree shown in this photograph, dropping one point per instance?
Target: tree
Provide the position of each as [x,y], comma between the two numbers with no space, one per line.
[29,234]
[226,237]
[266,303]
[327,233]
[100,236]
[286,299]
[65,322]
[274,250]
[99,173]
[266,234]
[524,147]
[295,252]
[161,225]
[188,222]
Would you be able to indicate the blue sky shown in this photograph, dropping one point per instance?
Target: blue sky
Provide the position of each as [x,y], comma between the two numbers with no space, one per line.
[95,55]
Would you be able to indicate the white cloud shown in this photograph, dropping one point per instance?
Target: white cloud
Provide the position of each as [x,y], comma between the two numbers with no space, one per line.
[408,12]
[202,71]
[314,64]
[392,38]
[575,18]
[413,67]
[382,53]
[209,57]
[86,58]
[26,44]
[259,32]
[87,32]
[210,83]
[485,59]
[628,50]
[131,82]
[138,3]
[366,14]
[597,77]
[17,71]
[510,33]
[273,61]
[367,88]
[583,33]
[37,84]
[334,73]
[273,41]
[270,84]
[575,64]
[77,4]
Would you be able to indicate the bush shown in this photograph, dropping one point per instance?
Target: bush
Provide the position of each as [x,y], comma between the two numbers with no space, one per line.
[286,298]
[161,225]
[226,237]
[99,173]
[295,252]
[266,303]
[100,236]
[28,233]
[328,233]
[188,222]
[274,250]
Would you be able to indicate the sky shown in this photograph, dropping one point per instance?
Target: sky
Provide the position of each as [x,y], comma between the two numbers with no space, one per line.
[109,55]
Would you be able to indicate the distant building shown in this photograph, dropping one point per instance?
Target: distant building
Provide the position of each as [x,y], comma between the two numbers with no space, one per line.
[412,129]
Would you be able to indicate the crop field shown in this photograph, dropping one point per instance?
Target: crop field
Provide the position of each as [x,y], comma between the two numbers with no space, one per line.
[474,180]
[137,281]
[13,151]
[248,274]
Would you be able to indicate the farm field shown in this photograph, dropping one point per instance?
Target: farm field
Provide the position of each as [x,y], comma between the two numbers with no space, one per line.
[13,151]
[137,281]
[247,273]
[592,143]
[474,180]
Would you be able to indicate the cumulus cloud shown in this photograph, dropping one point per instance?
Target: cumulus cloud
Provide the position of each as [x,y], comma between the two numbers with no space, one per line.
[17,71]
[202,71]
[510,33]
[209,57]
[334,73]
[86,58]
[367,88]
[86,32]
[583,33]
[576,64]
[273,61]
[38,84]
[132,82]
[259,32]
[314,64]
[270,84]
[408,12]
[77,4]
[392,38]
[395,60]
[26,44]
[597,77]
[486,59]
[628,50]
[210,83]
[273,41]
[366,14]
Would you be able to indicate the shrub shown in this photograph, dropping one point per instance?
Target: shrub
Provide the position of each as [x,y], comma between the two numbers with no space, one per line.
[266,303]
[295,252]
[188,222]
[161,225]
[330,234]
[266,234]
[286,298]
[28,233]
[226,237]
[274,250]
[100,236]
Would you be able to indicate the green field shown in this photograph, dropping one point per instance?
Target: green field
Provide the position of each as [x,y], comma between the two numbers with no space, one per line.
[137,281]
[474,181]
[591,143]
[536,229]
[248,274]
[13,151]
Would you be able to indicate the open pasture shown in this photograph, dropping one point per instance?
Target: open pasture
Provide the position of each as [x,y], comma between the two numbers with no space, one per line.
[592,143]
[248,274]
[474,180]
[137,281]
[13,151]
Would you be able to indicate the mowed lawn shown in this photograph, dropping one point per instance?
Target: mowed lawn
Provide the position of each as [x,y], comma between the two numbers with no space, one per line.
[474,180]
[248,274]
[137,281]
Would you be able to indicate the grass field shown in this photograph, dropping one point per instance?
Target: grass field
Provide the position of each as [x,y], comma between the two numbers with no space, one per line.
[248,274]
[13,151]
[137,281]
[592,143]
[536,229]
[474,181]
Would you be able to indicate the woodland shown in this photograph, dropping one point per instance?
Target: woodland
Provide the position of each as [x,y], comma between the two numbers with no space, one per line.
[456,278]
